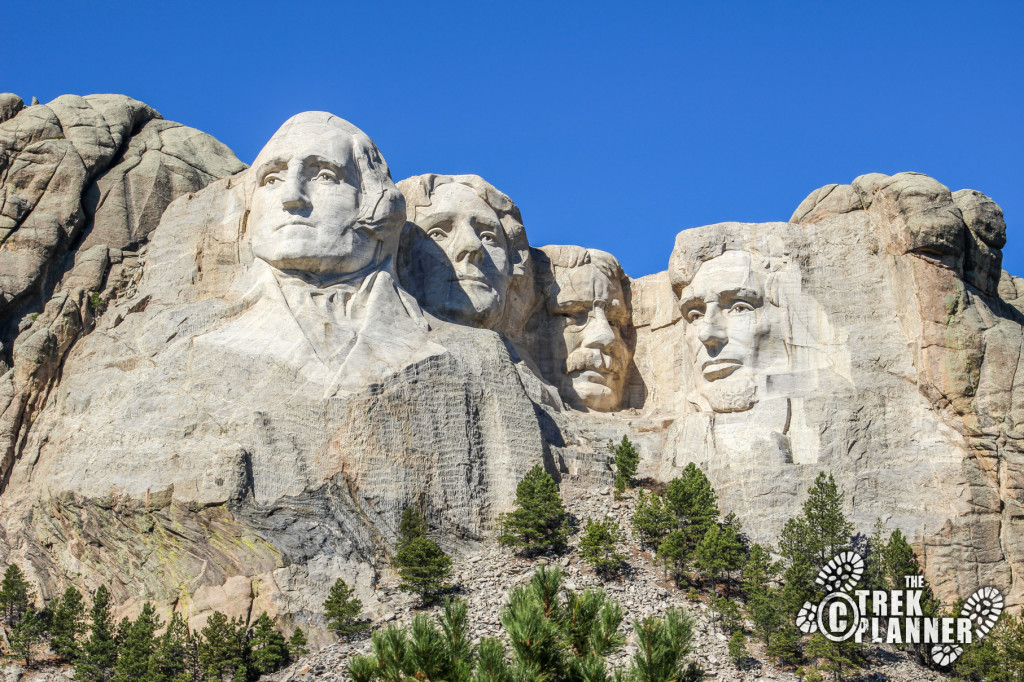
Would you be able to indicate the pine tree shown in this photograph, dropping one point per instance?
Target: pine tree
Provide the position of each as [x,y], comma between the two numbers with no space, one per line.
[738,653]
[16,594]
[171,658]
[28,634]
[626,458]
[423,566]
[726,614]
[662,647]
[719,551]
[694,503]
[68,625]
[224,652]
[341,609]
[297,644]
[539,521]
[674,552]
[835,657]
[133,663]
[99,653]
[599,547]
[269,648]
[652,520]
[759,571]
[767,613]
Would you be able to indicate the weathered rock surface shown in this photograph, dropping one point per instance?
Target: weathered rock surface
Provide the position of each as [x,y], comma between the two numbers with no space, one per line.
[220,395]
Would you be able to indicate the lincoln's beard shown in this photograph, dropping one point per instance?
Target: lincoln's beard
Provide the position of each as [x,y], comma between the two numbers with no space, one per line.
[734,393]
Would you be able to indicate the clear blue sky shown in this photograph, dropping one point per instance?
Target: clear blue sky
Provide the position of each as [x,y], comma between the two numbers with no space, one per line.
[611,125]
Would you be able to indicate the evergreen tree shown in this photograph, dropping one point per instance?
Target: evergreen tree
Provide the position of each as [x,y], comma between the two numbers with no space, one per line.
[28,634]
[625,458]
[662,647]
[835,657]
[341,610]
[694,503]
[297,644]
[68,625]
[759,571]
[726,614]
[133,663]
[269,648]
[738,653]
[875,574]
[172,655]
[822,530]
[539,521]
[652,520]
[674,552]
[767,614]
[224,649]
[599,547]
[422,565]
[99,653]
[16,594]
[719,551]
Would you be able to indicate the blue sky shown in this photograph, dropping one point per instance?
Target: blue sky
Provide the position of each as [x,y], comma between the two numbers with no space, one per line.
[611,125]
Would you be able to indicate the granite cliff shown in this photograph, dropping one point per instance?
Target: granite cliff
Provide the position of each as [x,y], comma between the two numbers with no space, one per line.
[223,384]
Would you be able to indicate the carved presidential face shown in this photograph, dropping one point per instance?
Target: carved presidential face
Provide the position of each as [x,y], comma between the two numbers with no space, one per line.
[589,310]
[305,205]
[723,312]
[461,253]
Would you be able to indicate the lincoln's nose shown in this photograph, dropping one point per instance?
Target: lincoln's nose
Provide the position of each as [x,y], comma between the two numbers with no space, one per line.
[711,332]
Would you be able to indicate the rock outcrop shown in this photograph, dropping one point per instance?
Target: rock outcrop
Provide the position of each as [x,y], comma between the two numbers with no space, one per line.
[223,385]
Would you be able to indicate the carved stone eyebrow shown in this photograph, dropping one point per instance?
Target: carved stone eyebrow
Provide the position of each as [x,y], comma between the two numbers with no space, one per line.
[747,294]
[270,166]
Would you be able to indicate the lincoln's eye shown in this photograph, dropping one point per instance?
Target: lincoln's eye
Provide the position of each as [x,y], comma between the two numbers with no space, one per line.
[437,234]
[694,314]
[740,307]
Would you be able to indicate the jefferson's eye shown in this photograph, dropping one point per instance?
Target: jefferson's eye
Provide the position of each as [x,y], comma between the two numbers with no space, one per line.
[326,176]
[489,236]
[740,307]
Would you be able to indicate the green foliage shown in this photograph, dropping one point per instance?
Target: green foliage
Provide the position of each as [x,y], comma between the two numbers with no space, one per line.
[662,647]
[653,520]
[674,552]
[16,594]
[999,657]
[28,634]
[99,653]
[821,531]
[224,652]
[269,648]
[738,652]
[297,644]
[835,657]
[68,625]
[599,547]
[694,503]
[422,565]
[785,644]
[539,522]
[726,614]
[96,302]
[692,594]
[626,458]
[136,650]
[759,571]
[720,551]
[341,610]
[766,612]
[175,653]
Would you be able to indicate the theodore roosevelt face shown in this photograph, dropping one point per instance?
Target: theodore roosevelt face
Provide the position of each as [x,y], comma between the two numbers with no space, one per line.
[591,308]
[466,273]
[305,206]
[722,309]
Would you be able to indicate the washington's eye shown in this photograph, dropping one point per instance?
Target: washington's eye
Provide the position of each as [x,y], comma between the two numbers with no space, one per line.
[326,176]
[740,307]
[270,179]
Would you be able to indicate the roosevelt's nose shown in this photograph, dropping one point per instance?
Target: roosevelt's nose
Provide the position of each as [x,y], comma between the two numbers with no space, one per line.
[711,331]
[598,333]
[295,196]
[466,245]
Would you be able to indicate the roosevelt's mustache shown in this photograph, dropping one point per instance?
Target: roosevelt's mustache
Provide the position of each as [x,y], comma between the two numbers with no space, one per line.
[583,359]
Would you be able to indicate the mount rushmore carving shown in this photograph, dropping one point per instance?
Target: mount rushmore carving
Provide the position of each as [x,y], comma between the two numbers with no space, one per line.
[223,384]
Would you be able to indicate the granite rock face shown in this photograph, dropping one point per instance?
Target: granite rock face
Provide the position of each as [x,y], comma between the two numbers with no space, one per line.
[223,385]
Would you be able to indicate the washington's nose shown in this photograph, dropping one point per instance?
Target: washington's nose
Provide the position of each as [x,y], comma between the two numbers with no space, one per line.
[294,196]
[712,333]
[598,333]
[467,245]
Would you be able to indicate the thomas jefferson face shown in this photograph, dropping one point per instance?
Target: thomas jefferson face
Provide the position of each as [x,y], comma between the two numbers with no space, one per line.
[465,266]
[591,310]
[304,210]
[722,308]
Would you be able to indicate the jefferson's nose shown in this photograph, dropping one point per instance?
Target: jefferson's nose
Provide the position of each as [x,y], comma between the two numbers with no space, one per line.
[467,245]
[598,333]
[712,332]
[294,196]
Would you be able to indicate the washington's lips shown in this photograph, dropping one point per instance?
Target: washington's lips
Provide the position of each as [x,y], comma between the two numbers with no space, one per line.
[719,368]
